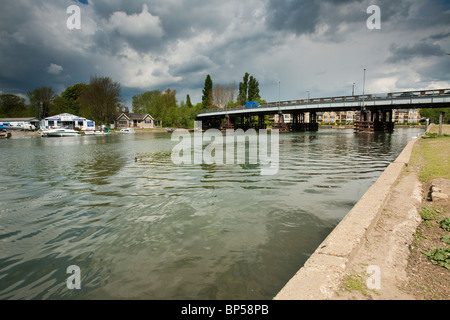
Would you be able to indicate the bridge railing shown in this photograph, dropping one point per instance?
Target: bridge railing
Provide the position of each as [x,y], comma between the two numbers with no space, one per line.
[354,98]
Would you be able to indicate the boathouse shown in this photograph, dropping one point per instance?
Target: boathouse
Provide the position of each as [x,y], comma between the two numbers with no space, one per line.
[135,120]
[68,120]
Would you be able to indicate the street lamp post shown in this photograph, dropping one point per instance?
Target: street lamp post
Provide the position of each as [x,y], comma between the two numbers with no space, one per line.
[364,87]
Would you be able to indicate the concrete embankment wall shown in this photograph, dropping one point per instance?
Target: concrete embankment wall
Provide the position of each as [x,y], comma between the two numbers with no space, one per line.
[324,271]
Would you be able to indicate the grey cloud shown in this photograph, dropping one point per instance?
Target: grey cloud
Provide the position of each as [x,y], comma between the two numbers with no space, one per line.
[439,36]
[295,16]
[231,37]
[198,64]
[418,50]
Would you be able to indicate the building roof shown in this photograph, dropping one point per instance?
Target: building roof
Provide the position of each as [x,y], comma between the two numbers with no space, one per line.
[17,119]
[66,117]
[135,116]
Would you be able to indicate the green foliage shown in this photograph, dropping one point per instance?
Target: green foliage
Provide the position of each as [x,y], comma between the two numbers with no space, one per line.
[68,102]
[243,89]
[433,114]
[188,102]
[445,224]
[428,214]
[248,90]
[445,239]
[207,97]
[434,135]
[163,107]
[440,257]
[40,101]
[356,282]
[99,100]
[253,90]
[12,106]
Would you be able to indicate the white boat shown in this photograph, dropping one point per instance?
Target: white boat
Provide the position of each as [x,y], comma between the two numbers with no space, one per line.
[60,132]
[127,130]
[101,133]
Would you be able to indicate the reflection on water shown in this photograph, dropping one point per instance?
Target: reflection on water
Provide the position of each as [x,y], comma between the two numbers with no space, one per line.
[153,230]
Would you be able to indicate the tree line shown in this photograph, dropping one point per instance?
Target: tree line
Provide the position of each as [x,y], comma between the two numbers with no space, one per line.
[164,107]
[100,100]
[97,101]
[222,96]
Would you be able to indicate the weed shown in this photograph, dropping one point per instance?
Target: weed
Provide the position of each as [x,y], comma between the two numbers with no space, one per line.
[440,257]
[419,234]
[445,239]
[429,214]
[355,282]
[445,224]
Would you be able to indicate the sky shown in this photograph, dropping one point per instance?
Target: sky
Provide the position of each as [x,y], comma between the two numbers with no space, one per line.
[293,48]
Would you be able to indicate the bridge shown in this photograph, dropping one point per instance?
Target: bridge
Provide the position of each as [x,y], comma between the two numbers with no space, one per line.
[375,111]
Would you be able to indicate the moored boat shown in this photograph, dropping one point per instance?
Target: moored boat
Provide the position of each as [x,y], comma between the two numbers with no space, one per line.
[60,132]
[127,130]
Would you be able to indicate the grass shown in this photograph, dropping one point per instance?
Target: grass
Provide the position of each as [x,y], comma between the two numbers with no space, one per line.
[429,214]
[356,282]
[432,156]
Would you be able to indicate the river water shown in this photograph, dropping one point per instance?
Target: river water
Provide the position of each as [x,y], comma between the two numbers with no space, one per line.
[155,230]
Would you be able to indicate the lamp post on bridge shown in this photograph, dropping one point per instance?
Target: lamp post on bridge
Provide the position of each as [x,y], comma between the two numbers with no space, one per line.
[364,87]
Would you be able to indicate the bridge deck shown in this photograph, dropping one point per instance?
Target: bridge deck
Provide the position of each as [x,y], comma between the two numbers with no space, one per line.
[404,100]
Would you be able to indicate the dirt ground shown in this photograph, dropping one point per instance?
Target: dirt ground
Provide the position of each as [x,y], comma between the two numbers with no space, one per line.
[428,281]
[391,264]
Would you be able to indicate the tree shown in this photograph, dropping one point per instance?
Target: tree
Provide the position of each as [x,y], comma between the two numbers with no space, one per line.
[248,90]
[223,94]
[433,114]
[12,106]
[253,90]
[68,102]
[40,100]
[99,100]
[188,102]
[207,98]
[163,107]
[243,88]
[147,102]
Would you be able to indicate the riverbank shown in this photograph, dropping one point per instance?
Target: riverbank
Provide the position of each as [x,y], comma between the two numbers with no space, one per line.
[37,134]
[374,252]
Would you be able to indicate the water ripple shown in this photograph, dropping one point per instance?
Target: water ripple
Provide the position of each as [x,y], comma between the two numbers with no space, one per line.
[153,230]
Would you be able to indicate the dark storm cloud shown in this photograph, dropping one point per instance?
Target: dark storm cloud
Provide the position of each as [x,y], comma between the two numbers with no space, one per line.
[305,17]
[295,16]
[148,45]
[440,36]
[198,64]
[418,50]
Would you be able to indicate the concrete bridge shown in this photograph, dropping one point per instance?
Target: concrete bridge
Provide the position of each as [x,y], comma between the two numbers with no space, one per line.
[375,111]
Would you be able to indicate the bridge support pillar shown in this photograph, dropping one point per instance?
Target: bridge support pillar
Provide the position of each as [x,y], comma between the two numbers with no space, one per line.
[375,121]
[313,125]
[280,125]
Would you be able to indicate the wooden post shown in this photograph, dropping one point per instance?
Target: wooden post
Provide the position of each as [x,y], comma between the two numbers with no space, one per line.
[441,121]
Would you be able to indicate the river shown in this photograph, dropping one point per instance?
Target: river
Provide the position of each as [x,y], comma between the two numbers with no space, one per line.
[151,229]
